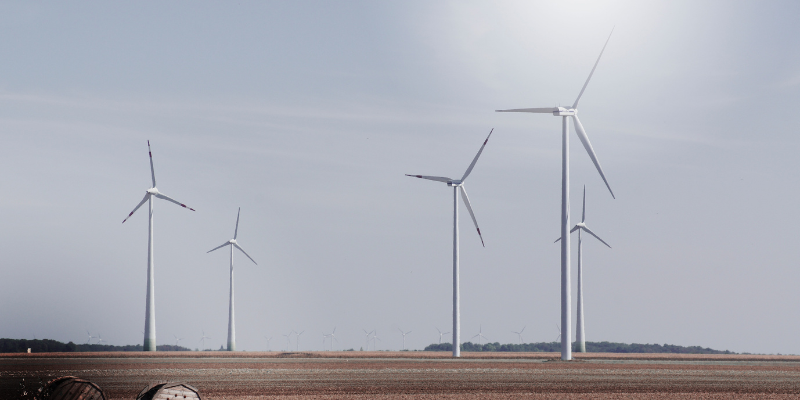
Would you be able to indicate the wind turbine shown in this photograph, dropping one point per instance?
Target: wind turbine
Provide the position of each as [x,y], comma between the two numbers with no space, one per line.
[99,339]
[441,334]
[559,332]
[404,337]
[203,339]
[480,334]
[457,184]
[90,337]
[231,319]
[520,334]
[150,310]
[177,339]
[288,340]
[564,112]
[374,338]
[367,338]
[268,340]
[580,335]
[331,335]
[297,340]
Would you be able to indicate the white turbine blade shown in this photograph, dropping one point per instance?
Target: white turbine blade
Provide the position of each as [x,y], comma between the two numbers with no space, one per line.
[588,146]
[471,166]
[218,247]
[152,170]
[248,256]
[596,237]
[591,73]
[236,232]
[432,178]
[523,329]
[167,198]
[544,110]
[471,214]
[137,207]
[583,216]
[439,331]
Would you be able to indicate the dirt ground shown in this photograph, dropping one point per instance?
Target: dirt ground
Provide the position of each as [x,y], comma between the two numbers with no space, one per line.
[418,375]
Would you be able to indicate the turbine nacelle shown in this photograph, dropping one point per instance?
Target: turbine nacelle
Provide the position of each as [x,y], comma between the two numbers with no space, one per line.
[232,241]
[564,112]
[454,183]
[152,190]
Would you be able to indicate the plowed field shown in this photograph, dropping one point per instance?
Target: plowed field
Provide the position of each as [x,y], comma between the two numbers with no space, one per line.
[424,375]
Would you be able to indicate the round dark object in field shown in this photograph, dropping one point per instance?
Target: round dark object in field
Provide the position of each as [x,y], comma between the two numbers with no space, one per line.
[72,388]
[169,390]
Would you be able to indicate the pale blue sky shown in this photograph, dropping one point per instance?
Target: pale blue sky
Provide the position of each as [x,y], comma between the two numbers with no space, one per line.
[307,115]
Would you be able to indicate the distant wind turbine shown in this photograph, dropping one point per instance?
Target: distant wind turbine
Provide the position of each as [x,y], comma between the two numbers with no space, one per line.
[581,337]
[441,334]
[99,339]
[288,340]
[404,337]
[297,340]
[564,113]
[375,340]
[332,337]
[150,310]
[90,337]
[177,339]
[520,334]
[231,317]
[203,339]
[268,340]
[367,337]
[457,184]
[559,332]
[480,334]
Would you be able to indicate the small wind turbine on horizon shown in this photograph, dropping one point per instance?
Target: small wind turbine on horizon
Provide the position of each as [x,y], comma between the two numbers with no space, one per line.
[520,333]
[99,339]
[375,340]
[332,337]
[268,340]
[150,309]
[559,332]
[288,340]
[564,113]
[580,334]
[203,339]
[177,339]
[297,340]
[231,317]
[367,337]
[90,337]
[404,337]
[480,335]
[457,184]
[441,334]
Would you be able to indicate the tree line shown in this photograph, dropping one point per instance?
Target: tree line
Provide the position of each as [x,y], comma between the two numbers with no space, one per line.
[592,347]
[54,346]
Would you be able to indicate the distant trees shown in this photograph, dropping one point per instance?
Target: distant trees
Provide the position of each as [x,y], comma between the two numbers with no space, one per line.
[54,346]
[593,347]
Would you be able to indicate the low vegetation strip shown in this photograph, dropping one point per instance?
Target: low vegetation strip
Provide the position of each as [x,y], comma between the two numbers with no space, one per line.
[54,346]
[592,347]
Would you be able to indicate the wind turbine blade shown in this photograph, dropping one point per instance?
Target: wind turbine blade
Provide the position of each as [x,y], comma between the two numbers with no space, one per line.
[137,207]
[471,214]
[596,237]
[152,170]
[218,247]
[583,216]
[471,166]
[523,329]
[591,73]
[588,146]
[545,110]
[167,198]
[248,256]
[236,232]
[574,228]
[432,178]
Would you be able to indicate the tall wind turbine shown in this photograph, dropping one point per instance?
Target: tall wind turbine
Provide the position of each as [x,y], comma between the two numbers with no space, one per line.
[150,310]
[580,335]
[520,333]
[457,184]
[564,112]
[367,337]
[404,337]
[441,334]
[231,319]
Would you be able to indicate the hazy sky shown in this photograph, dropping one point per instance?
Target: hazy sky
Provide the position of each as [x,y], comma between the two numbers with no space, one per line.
[307,115]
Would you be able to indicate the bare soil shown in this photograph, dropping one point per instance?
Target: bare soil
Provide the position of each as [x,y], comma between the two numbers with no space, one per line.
[418,375]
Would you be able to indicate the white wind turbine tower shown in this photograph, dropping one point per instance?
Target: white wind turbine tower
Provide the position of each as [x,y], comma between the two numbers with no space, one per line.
[231,316]
[441,334]
[457,184]
[331,335]
[480,334]
[580,334]
[519,334]
[564,112]
[150,310]
[404,337]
